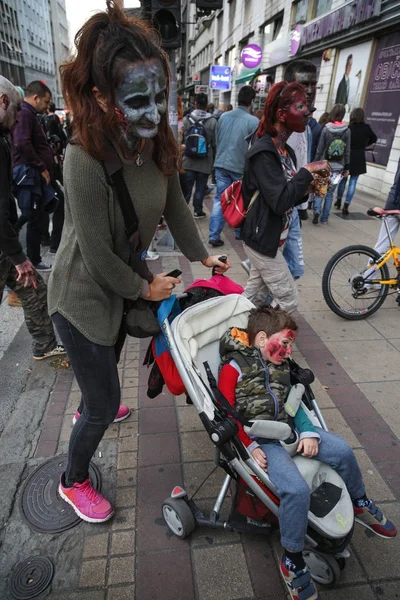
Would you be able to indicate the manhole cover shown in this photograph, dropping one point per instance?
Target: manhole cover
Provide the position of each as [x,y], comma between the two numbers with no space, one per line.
[31,577]
[40,503]
[352,216]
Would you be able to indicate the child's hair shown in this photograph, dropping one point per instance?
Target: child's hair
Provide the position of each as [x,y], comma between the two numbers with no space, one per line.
[270,320]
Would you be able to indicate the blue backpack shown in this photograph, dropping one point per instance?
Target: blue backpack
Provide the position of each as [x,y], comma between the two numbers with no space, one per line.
[196,139]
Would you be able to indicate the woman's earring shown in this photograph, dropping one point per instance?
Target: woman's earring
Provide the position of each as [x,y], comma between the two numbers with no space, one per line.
[121,118]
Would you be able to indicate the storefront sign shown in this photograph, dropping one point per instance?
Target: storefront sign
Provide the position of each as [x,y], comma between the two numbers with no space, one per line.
[201,89]
[220,78]
[251,56]
[347,16]
[196,77]
[296,39]
[382,105]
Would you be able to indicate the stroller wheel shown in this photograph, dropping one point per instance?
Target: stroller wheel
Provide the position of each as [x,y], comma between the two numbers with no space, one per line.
[178,517]
[324,568]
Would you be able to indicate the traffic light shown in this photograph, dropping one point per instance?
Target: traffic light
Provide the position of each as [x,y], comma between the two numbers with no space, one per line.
[166,17]
[209,5]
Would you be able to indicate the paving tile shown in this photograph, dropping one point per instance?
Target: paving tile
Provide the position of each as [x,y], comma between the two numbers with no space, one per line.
[128,444]
[46,449]
[194,474]
[50,435]
[126,592]
[95,545]
[129,382]
[349,593]
[163,399]
[157,420]
[375,485]
[158,449]
[123,542]
[164,576]
[155,484]
[127,460]
[387,590]
[128,392]
[112,432]
[337,424]
[221,572]
[208,536]
[152,532]
[196,446]
[121,570]
[93,573]
[330,327]
[188,419]
[262,566]
[56,409]
[126,497]
[384,397]
[53,422]
[359,359]
[124,518]
[126,477]
[81,595]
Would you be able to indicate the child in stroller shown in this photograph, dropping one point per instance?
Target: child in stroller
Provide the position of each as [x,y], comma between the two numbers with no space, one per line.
[255,379]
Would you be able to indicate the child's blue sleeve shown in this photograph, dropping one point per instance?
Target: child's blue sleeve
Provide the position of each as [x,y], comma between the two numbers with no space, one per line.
[304,426]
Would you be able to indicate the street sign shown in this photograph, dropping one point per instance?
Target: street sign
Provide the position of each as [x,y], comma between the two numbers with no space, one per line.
[220,78]
[196,77]
[201,89]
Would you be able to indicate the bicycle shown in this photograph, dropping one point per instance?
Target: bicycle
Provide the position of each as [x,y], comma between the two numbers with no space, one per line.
[356,280]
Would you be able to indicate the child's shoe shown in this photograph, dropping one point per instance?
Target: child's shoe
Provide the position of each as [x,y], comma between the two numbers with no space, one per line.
[299,583]
[372,518]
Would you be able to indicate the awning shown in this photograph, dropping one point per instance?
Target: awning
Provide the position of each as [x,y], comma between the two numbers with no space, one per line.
[247,75]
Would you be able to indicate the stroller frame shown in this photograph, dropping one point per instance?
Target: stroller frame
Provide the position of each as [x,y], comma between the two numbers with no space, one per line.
[324,556]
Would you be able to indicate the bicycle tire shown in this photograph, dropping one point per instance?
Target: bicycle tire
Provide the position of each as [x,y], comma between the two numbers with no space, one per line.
[353,315]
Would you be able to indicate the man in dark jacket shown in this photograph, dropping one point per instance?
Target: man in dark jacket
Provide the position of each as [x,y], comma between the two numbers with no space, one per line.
[16,271]
[31,148]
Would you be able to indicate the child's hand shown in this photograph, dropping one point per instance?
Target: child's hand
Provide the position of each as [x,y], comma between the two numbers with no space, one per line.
[309,447]
[260,458]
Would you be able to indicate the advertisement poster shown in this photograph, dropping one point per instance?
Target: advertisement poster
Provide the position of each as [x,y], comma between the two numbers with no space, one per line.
[351,74]
[382,102]
[220,78]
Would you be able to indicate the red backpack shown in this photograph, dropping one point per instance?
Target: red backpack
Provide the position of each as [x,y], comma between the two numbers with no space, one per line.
[232,204]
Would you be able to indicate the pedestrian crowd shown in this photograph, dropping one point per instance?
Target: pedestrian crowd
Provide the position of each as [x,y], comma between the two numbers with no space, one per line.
[122,153]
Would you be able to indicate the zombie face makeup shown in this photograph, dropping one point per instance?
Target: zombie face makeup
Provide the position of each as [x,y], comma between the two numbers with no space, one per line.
[278,347]
[142,98]
[297,115]
[309,82]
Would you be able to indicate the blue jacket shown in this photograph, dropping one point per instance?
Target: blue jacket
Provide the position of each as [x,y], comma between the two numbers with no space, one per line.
[32,192]
[232,130]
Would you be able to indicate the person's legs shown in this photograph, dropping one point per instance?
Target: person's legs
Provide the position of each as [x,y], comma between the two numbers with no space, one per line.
[5,266]
[58,219]
[34,304]
[33,238]
[351,189]
[183,182]
[293,248]
[317,208]
[224,179]
[276,277]
[326,211]
[382,244]
[340,192]
[95,368]
[201,185]
[190,179]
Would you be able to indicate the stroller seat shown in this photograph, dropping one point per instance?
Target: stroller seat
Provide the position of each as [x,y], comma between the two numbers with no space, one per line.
[195,336]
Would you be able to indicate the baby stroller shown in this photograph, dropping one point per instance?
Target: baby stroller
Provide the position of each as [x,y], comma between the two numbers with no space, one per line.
[193,338]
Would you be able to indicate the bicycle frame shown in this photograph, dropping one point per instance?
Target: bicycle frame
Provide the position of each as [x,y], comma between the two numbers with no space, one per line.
[394,253]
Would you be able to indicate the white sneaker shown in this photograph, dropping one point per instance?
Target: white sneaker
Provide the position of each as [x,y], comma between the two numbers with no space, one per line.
[150,255]
[57,351]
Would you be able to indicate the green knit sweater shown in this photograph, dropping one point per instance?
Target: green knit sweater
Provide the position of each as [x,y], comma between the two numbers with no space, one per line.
[91,275]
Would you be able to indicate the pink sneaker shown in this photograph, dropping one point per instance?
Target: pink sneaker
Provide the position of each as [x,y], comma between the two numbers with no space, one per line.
[88,504]
[122,414]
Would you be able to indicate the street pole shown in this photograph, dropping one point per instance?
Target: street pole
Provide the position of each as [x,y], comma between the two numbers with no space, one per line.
[173,96]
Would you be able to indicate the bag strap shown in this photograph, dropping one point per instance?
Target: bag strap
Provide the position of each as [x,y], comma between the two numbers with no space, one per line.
[124,198]
[253,199]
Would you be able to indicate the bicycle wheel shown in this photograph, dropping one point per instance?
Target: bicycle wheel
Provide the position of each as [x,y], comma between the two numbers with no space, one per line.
[345,283]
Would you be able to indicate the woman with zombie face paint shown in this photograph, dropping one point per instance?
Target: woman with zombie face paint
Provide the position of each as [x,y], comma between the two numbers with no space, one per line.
[270,168]
[117,89]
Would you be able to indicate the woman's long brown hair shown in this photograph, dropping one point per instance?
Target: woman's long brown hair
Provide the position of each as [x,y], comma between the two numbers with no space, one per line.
[108,42]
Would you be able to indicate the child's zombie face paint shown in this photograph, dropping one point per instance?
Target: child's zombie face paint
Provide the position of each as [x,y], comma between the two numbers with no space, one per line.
[142,97]
[279,346]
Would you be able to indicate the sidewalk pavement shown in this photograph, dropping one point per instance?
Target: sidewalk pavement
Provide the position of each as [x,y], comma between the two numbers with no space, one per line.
[163,444]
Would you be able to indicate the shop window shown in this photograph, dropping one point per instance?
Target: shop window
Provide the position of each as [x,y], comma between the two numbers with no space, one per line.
[300,10]
[271,31]
[321,7]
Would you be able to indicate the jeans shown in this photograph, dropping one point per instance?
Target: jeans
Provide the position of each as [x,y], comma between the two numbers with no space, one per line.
[200,179]
[293,490]
[224,179]
[293,248]
[58,219]
[326,211]
[95,369]
[351,189]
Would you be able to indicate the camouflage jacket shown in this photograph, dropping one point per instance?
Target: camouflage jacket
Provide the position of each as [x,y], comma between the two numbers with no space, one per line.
[263,389]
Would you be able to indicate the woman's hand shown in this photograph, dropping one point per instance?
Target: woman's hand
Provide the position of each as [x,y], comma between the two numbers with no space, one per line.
[309,446]
[322,167]
[260,457]
[161,287]
[214,261]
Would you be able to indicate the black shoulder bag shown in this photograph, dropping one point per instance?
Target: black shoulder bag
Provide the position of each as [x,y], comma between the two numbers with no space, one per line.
[140,315]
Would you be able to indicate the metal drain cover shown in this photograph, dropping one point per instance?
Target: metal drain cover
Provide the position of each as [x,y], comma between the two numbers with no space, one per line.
[31,577]
[40,503]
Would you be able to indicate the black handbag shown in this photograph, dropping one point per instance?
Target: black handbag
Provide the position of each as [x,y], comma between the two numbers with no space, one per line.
[140,316]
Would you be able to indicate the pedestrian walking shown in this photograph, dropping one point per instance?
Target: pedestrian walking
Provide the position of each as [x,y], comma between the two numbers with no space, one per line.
[117,87]
[199,139]
[362,136]
[232,130]
[393,221]
[31,150]
[304,145]
[270,168]
[334,146]
[16,271]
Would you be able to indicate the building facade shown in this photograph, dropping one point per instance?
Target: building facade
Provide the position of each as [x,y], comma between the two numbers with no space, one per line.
[60,38]
[355,46]
[11,53]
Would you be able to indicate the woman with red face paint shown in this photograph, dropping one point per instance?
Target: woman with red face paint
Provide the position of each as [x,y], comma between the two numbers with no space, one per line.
[270,168]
